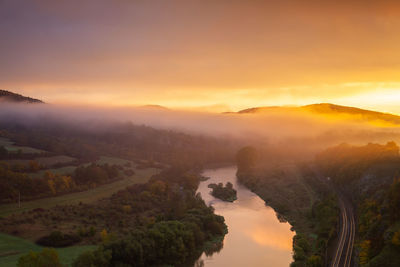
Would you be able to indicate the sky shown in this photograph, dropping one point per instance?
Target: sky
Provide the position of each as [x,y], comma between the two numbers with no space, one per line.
[215,55]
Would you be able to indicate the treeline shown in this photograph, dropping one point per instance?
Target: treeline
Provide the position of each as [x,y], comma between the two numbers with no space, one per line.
[87,142]
[299,197]
[368,175]
[379,227]
[19,154]
[16,185]
[162,222]
[346,163]
[177,235]
[324,220]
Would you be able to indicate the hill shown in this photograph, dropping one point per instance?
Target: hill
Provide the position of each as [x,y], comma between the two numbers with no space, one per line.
[13,97]
[154,107]
[327,109]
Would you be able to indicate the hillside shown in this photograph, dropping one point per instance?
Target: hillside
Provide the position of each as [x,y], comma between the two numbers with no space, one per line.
[13,97]
[154,107]
[368,176]
[327,109]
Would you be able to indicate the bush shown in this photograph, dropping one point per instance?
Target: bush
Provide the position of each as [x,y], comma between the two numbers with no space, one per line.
[226,193]
[46,258]
[97,258]
[57,239]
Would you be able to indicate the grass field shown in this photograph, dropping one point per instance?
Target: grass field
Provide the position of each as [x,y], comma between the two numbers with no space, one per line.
[5,142]
[9,145]
[11,248]
[114,161]
[48,161]
[24,149]
[67,170]
[23,162]
[141,176]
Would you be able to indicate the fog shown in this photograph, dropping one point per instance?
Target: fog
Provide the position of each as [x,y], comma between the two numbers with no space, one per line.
[283,127]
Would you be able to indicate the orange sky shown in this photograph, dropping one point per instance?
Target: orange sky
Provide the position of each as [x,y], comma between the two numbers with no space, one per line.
[219,54]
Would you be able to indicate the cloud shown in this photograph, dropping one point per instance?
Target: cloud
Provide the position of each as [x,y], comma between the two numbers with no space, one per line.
[286,127]
[141,50]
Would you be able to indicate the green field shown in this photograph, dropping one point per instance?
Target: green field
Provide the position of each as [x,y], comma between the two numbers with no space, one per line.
[45,161]
[5,142]
[23,149]
[141,176]
[23,162]
[11,248]
[67,170]
[114,161]
[9,145]
[48,161]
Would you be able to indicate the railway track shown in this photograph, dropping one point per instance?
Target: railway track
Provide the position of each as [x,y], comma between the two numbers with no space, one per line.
[344,250]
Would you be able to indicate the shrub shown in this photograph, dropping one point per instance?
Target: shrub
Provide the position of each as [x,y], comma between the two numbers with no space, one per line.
[98,258]
[57,239]
[46,258]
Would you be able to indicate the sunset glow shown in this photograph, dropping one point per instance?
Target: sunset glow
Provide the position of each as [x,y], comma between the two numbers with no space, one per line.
[203,133]
[215,55]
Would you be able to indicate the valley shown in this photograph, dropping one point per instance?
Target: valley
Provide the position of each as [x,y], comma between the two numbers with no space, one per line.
[91,194]
[199,133]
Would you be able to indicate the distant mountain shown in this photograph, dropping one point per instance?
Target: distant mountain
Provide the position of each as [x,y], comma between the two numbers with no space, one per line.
[327,109]
[13,97]
[154,107]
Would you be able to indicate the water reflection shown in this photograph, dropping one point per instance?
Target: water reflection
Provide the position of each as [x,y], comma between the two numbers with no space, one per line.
[256,237]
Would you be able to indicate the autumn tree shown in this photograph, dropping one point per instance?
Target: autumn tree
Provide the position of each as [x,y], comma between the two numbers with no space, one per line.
[394,200]
[48,257]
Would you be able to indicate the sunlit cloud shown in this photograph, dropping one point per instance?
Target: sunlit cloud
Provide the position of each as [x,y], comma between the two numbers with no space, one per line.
[201,54]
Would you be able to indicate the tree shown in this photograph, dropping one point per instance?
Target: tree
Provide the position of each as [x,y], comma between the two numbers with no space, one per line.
[315,261]
[246,158]
[394,200]
[33,166]
[105,236]
[229,185]
[365,251]
[158,187]
[396,239]
[48,257]
[3,152]
[97,258]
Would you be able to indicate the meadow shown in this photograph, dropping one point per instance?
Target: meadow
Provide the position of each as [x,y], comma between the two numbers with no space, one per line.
[140,176]
[11,248]
[9,145]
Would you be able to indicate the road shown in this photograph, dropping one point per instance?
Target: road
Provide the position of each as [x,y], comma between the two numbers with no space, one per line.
[344,249]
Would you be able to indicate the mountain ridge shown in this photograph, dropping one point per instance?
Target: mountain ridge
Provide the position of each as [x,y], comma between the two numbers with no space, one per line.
[17,98]
[329,109]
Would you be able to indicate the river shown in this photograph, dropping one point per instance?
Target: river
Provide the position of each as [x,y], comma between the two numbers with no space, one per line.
[256,237]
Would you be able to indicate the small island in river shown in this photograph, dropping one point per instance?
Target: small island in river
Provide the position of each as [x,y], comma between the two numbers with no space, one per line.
[225,193]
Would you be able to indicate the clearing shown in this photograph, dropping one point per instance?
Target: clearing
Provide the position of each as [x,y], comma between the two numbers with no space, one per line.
[11,248]
[140,176]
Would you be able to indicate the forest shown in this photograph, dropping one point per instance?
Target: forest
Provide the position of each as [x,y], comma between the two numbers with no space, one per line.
[298,196]
[48,158]
[369,175]
[159,222]
[14,185]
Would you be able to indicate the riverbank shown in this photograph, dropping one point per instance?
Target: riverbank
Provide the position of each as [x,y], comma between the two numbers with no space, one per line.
[300,198]
[138,224]
[256,237]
